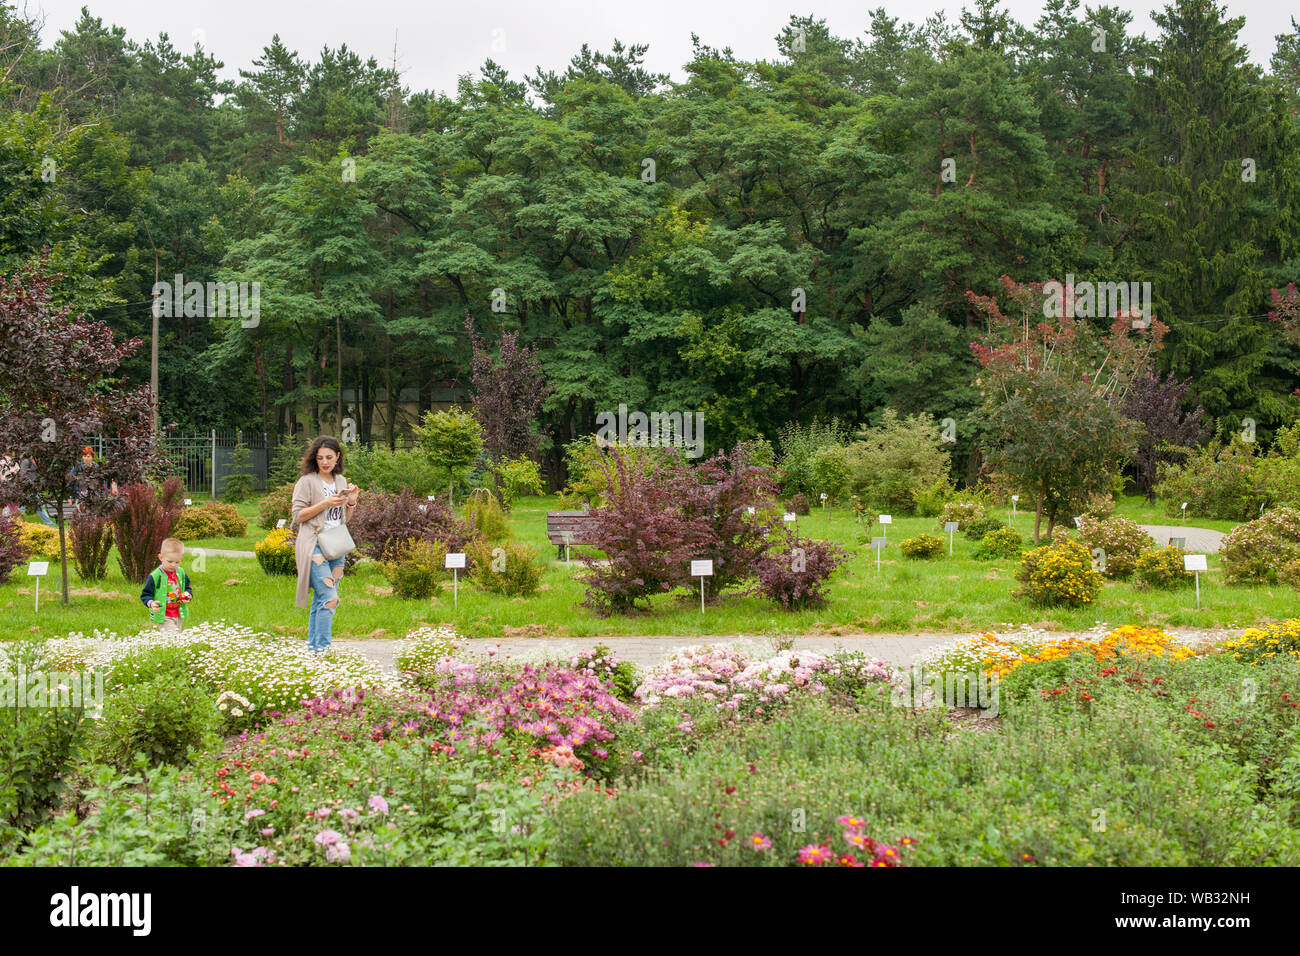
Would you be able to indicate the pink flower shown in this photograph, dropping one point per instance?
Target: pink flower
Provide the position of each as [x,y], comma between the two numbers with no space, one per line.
[815,854]
[338,853]
[701,864]
[377,803]
[322,813]
[349,814]
[251,814]
[327,837]
[269,831]
[760,842]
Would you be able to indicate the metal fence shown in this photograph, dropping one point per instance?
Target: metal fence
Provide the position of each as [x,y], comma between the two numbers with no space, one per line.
[204,461]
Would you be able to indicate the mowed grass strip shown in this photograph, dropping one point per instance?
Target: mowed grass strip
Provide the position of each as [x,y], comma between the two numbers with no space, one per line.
[945,594]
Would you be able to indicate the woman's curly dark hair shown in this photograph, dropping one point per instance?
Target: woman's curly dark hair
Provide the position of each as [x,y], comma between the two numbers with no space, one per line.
[324,441]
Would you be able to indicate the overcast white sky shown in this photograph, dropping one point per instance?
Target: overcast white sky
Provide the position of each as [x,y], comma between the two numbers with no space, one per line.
[437,41]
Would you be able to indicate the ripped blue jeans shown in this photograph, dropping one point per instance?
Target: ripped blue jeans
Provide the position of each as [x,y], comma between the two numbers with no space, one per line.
[320,620]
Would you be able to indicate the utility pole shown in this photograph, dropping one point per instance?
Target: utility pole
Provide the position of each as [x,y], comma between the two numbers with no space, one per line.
[153,352]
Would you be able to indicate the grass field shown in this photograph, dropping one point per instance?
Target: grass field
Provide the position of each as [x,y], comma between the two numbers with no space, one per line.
[956,594]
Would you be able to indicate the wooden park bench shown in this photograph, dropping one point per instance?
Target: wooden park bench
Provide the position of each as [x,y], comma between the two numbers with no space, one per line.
[568,527]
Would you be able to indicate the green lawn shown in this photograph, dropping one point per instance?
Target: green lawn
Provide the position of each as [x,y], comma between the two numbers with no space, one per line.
[955,593]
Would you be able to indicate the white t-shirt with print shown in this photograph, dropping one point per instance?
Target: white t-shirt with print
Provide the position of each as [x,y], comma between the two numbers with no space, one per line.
[334,513]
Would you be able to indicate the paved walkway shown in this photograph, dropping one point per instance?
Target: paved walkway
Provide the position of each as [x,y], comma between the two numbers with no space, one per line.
[1199,540]
[645,652]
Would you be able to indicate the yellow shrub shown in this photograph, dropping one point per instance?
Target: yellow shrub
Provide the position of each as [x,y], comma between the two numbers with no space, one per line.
[1260,644]
[39,540]
[275,552]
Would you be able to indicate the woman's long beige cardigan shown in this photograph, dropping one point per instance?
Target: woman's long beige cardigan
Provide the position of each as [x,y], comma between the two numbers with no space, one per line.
[307,492]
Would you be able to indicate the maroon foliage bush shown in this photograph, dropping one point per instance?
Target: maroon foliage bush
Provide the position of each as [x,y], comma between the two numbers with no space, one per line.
[795,573]
[644,532]
[798,505]
[91,541]
[143,519]
[383,520]
[726,487]
[12,552]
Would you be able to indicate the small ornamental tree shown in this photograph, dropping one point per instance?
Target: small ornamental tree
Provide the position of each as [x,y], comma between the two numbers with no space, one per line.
[1158,405]
[452,439]
[508,394]
[1053,393]
[60,389]
[832,473]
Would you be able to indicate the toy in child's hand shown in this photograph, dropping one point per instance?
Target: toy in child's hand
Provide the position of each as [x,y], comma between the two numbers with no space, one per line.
[177,596]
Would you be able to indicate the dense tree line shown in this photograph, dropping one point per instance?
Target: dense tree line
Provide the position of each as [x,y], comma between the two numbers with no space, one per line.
[767,241]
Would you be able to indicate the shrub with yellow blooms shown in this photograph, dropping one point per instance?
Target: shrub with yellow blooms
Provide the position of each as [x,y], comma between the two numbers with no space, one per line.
[1059,573]
[1259,644]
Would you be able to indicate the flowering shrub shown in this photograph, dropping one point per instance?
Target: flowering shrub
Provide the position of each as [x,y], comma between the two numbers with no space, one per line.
[1122,540]
[275,552]
[923,546]
[1059,573]
[998,657]
[1254,551]
[720,673]
[1289,573]
[1257,645]
[415,567]
[270,674]
[477,706]
[277,504]
[796,575]
[510,568]
[421,650]
[963,511]
[1163,568]
[601,662]
[1002,542]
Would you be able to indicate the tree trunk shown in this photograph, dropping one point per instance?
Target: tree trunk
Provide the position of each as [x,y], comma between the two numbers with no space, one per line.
[260,364]
[63,550]
[1038,517]
[338,355]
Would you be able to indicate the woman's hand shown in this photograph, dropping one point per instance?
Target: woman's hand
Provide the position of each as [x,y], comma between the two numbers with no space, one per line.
[353,493]
[336,499]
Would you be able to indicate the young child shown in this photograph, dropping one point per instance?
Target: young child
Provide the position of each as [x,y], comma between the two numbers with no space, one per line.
[168,591]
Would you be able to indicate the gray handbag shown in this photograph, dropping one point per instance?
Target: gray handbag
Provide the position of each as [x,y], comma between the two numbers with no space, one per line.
[335,542]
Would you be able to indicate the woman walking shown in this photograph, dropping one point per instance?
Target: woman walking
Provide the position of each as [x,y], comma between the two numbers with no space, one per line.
[322,503]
